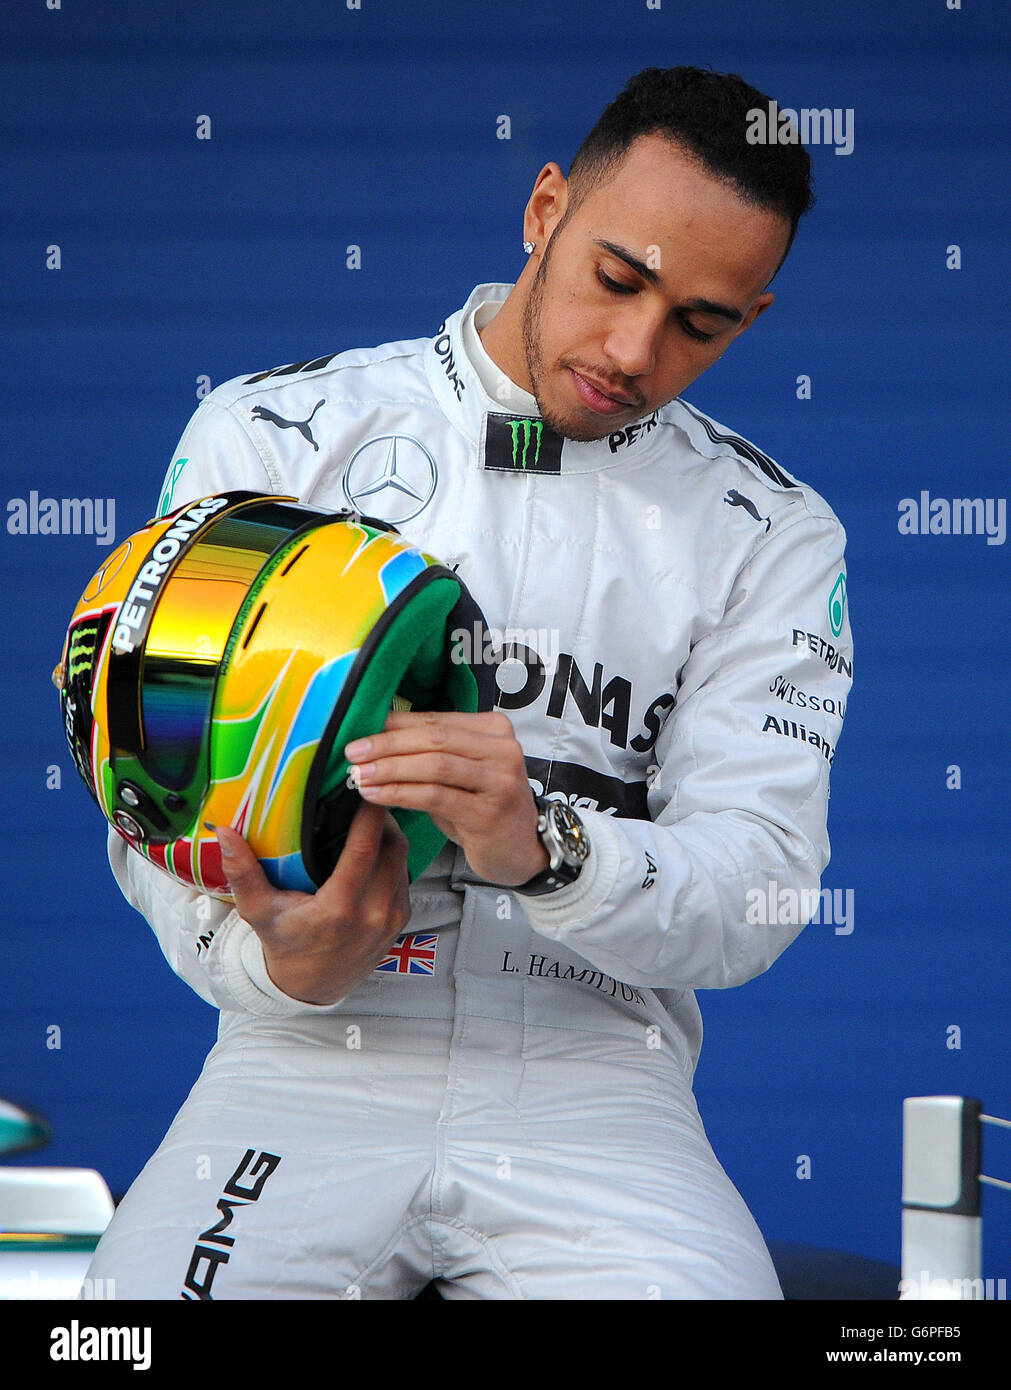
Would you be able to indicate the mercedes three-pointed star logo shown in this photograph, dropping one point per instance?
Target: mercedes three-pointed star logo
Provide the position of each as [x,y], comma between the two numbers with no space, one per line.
[107,573]
[391,477]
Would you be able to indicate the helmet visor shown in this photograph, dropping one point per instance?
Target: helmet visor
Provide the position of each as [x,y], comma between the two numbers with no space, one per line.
[190,627]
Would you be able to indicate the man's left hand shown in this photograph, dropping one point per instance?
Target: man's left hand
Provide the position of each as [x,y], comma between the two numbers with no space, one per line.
[467,772]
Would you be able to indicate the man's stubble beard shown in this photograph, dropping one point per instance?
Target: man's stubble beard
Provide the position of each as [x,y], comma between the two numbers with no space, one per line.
[532,316]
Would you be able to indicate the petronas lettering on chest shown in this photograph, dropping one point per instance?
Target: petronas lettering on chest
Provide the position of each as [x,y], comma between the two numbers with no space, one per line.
[525,678]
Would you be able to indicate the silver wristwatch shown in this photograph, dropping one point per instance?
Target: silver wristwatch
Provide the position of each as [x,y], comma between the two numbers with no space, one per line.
[564,837]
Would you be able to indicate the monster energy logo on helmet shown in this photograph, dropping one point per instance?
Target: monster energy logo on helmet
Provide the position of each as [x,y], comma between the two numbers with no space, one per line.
[81,656]
[521,444]
[74,684]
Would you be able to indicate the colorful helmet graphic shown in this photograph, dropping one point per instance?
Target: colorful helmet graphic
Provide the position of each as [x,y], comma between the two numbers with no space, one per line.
[222,657]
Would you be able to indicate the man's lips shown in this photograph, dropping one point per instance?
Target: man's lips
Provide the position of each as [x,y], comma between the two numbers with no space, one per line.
[598,397]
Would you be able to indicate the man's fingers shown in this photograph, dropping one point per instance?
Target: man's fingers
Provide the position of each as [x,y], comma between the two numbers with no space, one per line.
[365,833]
[433,728]
[393,837]
[487,722]
[443,769]
[372,865]
[387,906]
[252,890]
[456,741]
[357,859]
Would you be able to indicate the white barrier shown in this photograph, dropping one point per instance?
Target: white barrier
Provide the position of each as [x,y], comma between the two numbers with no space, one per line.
[50,1223]
[942,1224]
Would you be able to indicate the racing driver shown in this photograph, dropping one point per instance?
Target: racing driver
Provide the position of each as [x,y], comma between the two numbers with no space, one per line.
[514,1118]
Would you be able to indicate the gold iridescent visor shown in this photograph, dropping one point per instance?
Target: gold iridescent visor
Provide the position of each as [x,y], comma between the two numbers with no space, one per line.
[171,638]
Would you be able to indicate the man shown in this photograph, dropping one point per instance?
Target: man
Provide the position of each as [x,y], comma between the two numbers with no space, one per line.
[520,1122]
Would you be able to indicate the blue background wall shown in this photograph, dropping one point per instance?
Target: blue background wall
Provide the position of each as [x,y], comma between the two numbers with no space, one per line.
[183,257]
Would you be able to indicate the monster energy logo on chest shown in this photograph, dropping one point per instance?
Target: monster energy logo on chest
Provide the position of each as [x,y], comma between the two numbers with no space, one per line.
[521,444]
[523,431]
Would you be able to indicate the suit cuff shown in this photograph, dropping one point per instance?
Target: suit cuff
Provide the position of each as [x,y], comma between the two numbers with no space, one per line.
[240,956]
[551,913]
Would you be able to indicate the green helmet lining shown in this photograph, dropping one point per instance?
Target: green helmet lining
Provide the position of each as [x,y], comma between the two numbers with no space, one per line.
[412,658]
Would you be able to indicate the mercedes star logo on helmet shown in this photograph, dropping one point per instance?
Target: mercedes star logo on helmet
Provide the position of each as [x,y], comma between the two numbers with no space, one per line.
[108,571]
[391,477]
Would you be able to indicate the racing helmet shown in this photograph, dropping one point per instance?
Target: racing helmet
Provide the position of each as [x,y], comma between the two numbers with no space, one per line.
[221,658]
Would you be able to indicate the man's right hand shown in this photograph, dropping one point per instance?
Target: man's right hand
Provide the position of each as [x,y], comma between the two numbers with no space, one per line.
[319,946]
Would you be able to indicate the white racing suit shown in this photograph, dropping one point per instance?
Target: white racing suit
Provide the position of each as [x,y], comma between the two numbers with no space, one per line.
[507,1108]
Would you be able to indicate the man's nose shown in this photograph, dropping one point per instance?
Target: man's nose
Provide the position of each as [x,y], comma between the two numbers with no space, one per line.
[633,341]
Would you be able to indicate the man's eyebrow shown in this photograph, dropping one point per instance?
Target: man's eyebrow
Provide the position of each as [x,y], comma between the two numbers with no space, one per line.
[640,267]
[702,306]
[722,311]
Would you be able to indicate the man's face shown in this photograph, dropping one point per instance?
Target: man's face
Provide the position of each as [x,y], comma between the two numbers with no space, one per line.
[641,288]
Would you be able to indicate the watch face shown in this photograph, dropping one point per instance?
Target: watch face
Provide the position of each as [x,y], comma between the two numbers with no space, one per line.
[570,832]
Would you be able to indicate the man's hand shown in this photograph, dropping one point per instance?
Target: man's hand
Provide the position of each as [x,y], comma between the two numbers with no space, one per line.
[467,772]
[319,946]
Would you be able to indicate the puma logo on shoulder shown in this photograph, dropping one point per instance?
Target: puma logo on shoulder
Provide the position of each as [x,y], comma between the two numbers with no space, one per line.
[260,412]
[738,499]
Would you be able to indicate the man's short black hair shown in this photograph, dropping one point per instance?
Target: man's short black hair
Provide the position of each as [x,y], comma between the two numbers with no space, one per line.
[706,113]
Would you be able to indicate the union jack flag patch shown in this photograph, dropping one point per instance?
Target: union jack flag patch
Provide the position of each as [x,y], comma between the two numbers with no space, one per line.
[412,955]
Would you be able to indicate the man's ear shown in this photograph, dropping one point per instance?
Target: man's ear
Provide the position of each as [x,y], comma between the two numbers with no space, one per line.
[760,305]
[546,208]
